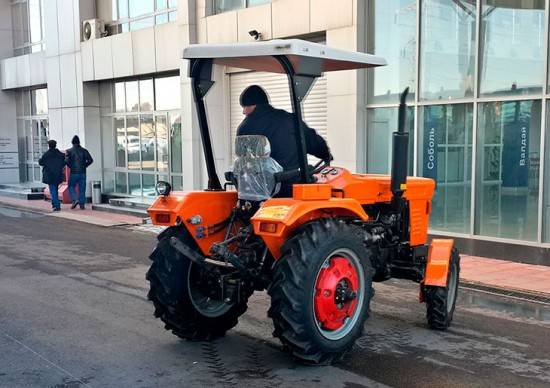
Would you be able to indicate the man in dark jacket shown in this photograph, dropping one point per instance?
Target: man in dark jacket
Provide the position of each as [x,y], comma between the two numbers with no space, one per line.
[278,126]
[78,159]
[53,162]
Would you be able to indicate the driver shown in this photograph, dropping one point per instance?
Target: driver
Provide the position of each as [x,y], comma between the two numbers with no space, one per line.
[278,126]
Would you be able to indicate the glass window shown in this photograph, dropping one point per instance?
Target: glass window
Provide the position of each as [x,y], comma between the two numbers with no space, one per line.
[382,122]
[141,7]
[447,59]
[162,18]
[149,185]
[34,21]
[172,3]
[167,93]
[121,186]
[160,4]
[252,3]
[162,143]
[39,101]
[175,142]
[227,5]
[445,155]
[132,142]
[147,143]
[17,24]
[122,9]
[120,131]
[177,182]
[395,19]
[173,16]
[507,176]
[120,98]
[132,99]
[512,43]
[134,184]
[142,23]
[146,95]
[546,203]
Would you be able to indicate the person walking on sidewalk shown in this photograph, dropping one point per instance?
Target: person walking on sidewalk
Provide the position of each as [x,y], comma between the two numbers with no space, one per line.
[78,159]
[53,162]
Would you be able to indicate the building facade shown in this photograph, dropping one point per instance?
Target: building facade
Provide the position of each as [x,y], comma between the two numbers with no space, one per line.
[477,71]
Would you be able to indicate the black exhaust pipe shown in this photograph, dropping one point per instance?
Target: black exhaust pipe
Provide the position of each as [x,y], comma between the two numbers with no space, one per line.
[400,153]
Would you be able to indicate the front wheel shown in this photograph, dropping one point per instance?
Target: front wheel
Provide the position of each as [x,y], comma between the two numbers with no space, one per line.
[441,301]
[186,298]
[321,291]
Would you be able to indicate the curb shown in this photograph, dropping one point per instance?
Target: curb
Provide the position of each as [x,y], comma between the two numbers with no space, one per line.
[514,293]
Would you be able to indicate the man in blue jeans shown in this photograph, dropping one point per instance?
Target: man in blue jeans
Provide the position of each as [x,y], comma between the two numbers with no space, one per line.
[53,162]
[78,159]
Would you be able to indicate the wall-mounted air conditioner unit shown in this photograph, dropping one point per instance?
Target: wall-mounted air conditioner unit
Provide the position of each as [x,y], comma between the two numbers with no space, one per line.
[93,29]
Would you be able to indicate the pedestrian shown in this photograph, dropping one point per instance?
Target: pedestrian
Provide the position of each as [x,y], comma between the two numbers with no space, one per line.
[78,159]
[53,162]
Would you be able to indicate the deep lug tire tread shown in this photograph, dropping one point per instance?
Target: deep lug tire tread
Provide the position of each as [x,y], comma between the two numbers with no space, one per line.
[168,292]
[294,275]
[436,299]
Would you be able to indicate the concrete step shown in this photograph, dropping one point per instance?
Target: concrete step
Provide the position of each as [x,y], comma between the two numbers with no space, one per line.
[131,203]
[129,211]
[21,194]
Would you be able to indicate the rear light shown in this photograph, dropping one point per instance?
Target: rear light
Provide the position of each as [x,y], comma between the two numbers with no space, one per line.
[268,227]
[163,218]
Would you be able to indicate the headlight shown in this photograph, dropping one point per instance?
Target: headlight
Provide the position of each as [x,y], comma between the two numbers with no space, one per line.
[163,188]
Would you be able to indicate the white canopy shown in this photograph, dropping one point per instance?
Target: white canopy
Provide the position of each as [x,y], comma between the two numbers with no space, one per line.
[259,55]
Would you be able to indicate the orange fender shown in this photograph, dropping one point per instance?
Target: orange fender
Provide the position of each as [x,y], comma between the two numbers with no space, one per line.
[209,208]
[437,266]
[278,218]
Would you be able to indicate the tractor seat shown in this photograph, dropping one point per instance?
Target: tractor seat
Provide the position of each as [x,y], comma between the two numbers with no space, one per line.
[254,169]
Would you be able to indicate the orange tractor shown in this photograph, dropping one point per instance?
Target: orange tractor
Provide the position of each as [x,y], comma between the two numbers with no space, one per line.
[316,253]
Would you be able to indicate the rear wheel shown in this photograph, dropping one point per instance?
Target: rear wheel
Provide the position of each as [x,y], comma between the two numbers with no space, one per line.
[321,291]
[441,301]
[187,298]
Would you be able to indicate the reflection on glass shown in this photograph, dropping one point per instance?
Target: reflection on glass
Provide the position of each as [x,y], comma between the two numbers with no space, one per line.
[141,7]
[546,203]
[173,16]
[167,93]
[28,141]
[507,176]
[35,140]
[108,182]
[44,135]
[172,3]
[26,103]
[17,24]
[177,182]
[160,4]
[34,19]
[142,23]
[252,3]
[121,186]
[512,43]
[447,59]
[149,185]
[162,18]
[122,9]
[392,35]
[382,122]
[147,143]
[227,5]
[175,142]
[146,95]
[120,99]
[39,101]
[120,131]
[444,154]
[132,142]
[132,99]
[162,143]
[134,184]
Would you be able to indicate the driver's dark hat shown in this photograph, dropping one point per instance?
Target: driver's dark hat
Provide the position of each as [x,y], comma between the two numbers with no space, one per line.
[253,95]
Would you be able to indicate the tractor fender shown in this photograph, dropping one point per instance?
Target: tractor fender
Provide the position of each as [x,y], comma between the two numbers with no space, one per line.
[437,265]
[278,218]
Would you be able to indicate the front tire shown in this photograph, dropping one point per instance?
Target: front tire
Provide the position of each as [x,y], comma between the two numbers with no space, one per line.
[321,291]
[179,302]
[441,301]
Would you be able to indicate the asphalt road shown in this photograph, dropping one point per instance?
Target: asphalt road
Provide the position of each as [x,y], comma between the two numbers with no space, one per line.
[73,313]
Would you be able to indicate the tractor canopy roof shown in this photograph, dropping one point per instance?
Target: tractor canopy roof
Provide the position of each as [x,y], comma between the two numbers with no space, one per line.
[306,57]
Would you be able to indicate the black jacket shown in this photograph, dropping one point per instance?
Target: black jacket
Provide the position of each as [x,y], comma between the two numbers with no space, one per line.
[78,159]
[278,126]
[53,162]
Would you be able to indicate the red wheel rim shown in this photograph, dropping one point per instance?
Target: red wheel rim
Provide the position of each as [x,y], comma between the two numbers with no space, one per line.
[336,290]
